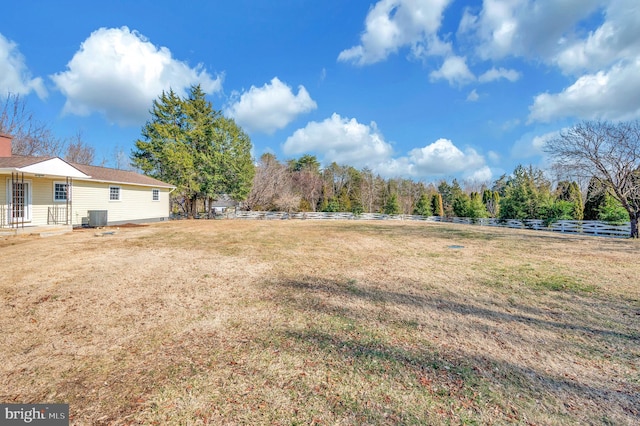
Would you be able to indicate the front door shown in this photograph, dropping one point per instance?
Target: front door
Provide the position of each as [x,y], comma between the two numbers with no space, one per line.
[20,196]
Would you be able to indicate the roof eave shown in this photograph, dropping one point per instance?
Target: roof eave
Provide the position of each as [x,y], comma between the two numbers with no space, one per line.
[164,185]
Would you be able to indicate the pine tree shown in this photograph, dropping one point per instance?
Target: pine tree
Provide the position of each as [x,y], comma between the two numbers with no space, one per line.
[526,194]
[436,205]
[491,201]
[392,206]
[596,194]
[164,151]
[423,206]
[189,144]
[476,208]
[570,192]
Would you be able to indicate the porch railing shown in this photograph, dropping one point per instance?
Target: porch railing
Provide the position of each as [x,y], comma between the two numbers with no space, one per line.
[58,215]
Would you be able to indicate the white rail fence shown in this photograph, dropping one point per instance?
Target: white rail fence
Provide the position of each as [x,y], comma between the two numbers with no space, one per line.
[584,227]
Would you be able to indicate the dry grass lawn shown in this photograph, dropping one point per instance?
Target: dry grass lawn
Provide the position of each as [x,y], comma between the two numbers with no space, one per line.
[304,322]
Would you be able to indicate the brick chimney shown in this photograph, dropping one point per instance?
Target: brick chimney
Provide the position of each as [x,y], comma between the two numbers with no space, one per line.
[5,145]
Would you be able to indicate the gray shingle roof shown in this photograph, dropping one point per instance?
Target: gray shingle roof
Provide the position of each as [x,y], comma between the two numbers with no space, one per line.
[16,161]
[106,174]
[102,174]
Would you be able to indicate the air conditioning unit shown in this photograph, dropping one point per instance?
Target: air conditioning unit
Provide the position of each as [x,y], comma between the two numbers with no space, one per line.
[97,218]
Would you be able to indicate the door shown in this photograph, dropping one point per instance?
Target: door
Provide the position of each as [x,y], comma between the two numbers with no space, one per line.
[20,197]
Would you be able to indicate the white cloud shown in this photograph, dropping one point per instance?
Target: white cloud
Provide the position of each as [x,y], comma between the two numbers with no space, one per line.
[525,28]
[270,107]
[617,38]
[481,175]
[438,159]
[553,31]
[454,70]
[443,157]
[610,95]
[498,73]
[473,96]
[603,58]
[14,76]
[346,141]
[494,157]
[532,145]
[393,24]
[343,140]
[118,73]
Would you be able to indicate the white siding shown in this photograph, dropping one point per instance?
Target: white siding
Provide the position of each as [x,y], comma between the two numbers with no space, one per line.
[41,198]
[136,202]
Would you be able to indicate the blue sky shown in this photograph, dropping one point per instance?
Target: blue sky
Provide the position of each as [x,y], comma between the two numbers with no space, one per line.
[425,89]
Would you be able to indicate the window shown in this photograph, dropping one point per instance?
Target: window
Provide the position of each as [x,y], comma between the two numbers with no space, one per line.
[59,191]
[155,194]
[114,193]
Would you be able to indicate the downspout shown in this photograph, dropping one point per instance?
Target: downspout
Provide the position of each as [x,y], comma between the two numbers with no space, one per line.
[68,215]
[24,201]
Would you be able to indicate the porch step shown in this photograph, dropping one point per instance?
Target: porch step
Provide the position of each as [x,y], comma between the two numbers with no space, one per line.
[57,231]
[7,232]
[43,231]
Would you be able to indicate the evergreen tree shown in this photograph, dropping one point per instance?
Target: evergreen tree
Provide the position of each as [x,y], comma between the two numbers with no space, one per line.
[461,203]
[527,193]
[446,193]
[164,152]
[189,144]
[423,206]
[596,194]
[392,206]
[476,207]
[436,204]
[236,168]
[570,192]
[611,210]
[491,201]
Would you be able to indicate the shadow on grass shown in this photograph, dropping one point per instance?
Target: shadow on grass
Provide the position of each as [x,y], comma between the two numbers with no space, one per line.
[617,400]
[350,289]
[472,384]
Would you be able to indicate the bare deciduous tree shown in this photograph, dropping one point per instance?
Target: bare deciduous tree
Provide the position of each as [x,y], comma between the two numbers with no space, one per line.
[610,152]
[271,181]
[309,185]
[78,151]
[30,136]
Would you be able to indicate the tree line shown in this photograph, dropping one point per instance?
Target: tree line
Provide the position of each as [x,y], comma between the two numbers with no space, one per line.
[206,155]
[302,185]
[191,145]
[605,154]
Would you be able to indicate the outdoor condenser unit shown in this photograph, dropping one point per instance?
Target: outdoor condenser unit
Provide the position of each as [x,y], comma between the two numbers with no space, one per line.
[97,218]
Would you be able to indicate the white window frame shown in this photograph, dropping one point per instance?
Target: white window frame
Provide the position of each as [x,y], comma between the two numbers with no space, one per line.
[66,196]
[155,195]
[119,193]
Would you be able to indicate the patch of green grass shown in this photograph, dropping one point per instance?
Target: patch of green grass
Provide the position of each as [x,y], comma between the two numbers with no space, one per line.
[561,283]
[537,278]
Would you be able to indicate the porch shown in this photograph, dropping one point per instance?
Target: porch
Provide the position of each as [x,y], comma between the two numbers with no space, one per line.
[43,231]
[15,217]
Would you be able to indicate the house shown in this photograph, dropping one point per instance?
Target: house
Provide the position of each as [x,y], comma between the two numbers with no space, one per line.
[41,191]
[222,204]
